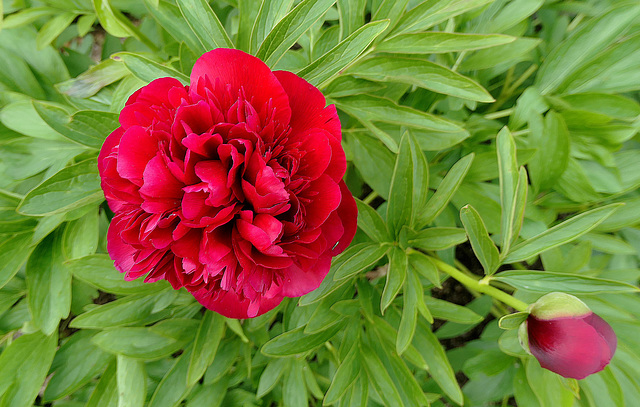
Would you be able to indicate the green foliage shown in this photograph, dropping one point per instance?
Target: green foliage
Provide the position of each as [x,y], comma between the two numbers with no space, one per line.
[498,139]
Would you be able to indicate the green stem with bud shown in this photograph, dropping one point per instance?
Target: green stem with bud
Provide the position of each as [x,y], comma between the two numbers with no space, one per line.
[481,286]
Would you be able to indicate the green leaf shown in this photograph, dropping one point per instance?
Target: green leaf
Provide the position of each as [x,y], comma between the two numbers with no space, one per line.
[95,78]
[143,343]
[112,20]
[373,108]
[515,215]
[396,275]
[80,236]
[552,158]
[437,238]
[14,252]
[270,13]
[71,188]
[124,311]
[481,243]
[500,55]
[372,223]
[173,388]
[53,28]
[586,42]
[98,271]
[146,69]
[131,382]
[48,284]
[447,188]
[26,16]
[372,159]
[513,321]
[294,391]
[412,295]
[290,28]
[351,16]
[560,234]
[105,393]
[448,311]
[171,19]
[508,173]
[25,364]
[400,208]
[441,42]
[323,69]
[75,364]
[422,264]
[547,281]
[205,346]
[429,13]
[87,127]
[439,367]
[296,341]
[346,374]
[421,73]
[205,24]
[271,375]
[345,85]
[379,377]
[358,259]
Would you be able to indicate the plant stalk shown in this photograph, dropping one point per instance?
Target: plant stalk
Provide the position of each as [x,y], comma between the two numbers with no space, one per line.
[481,286]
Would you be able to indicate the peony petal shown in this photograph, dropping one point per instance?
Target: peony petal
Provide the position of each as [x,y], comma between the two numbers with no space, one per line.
[239,70]
[229,304]
[137,148]
[299,282]
[348,213]
[307,103]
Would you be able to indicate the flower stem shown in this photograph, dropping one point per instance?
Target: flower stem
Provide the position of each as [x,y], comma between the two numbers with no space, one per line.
[481,286]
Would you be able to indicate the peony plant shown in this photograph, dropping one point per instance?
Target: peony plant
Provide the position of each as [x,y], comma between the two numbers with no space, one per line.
[319,202]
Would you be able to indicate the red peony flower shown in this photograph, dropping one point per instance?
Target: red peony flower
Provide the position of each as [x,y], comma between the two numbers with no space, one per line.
[567,337]
[231,187]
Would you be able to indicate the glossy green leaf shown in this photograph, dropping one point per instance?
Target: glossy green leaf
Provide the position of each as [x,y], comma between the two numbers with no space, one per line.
[146,69]
[439,366]
[447,188]
[421,73]
[53,28]
[323,69]
[290,28]
[591,38]
[171,19]
[441,42]
[48,284]
[481,243]
[205,24]
[14,252]
[271,375]
[75,364]
[270,13]
[411,297]
[512,321]
[547,281]
[71,188]
[87,127]
[429,13]
[373,108]
[105,393]
[379,377]
[98,271]
[346,374]
[372,158]
[438,238]
[358,259]
[131,382]
[205,346]
[396,276]
[560,234]
[552,158]
[422,264]
[294,391]
[451,312]
[173,388]
[296,341]
[400,205]
[25,364]
[112,19]
[372,223]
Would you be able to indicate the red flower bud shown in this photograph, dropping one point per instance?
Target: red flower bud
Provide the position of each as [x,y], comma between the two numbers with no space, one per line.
[567,337]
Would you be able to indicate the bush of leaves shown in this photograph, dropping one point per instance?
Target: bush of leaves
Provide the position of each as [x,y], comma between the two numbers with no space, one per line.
[492,145]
